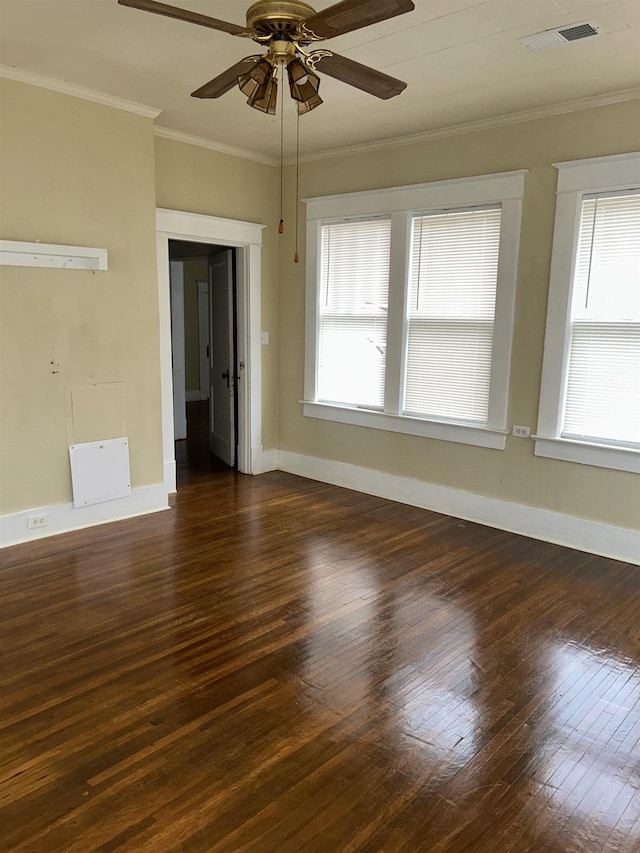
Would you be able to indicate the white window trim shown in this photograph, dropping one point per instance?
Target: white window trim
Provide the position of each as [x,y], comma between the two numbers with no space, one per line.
[479,436]
[576,179]
[506,189]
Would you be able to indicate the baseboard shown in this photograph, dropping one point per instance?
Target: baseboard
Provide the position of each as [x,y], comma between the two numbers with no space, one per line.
[62,518]
[269,460]
[170,476]
[256,463]
[618,543]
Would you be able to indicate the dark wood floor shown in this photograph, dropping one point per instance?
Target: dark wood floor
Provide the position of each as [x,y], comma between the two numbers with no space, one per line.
[281,666]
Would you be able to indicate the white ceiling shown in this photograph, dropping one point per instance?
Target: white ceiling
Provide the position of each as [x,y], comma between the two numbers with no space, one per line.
[461,59]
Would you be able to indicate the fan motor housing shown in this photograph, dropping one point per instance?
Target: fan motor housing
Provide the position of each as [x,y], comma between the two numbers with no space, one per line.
[270,18]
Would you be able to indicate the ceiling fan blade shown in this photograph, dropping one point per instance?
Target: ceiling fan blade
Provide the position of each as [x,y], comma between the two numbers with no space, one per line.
[184,15]
[358,75]
[224,82]
[352,15]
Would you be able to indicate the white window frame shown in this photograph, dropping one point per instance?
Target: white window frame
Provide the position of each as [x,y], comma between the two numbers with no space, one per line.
[576,179]
[401,203]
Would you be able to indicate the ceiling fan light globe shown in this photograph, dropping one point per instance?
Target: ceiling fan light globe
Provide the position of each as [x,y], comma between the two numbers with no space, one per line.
[304,91]
[297,71]
[265,97]
[258,75]
[247,85]
[304,84]
[307,105]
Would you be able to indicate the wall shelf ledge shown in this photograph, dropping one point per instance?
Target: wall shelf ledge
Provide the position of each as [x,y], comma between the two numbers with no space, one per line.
[18,254]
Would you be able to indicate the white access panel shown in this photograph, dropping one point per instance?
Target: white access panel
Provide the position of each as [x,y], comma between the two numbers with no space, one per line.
[100,471]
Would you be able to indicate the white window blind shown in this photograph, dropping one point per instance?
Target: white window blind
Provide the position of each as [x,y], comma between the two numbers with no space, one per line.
[354,295]
[451,310]
[602,396]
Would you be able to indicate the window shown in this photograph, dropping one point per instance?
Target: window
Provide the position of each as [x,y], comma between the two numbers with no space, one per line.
[590,401]
[452,300]
[410,297]
[602,399]
[354,296]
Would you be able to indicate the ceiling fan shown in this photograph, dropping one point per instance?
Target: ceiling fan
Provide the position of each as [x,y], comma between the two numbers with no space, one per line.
[287,29]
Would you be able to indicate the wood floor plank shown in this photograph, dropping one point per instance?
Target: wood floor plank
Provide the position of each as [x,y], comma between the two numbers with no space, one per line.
[281,666]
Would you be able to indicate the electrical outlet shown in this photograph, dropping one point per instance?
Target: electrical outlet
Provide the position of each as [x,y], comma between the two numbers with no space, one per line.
[521,431]
[36,521]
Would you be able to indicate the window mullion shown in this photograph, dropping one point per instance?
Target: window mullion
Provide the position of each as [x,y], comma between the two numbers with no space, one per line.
[557,332]
[397,316]
[312,313]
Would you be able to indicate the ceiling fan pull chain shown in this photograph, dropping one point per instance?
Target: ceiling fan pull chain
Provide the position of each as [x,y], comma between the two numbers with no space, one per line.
[296,257]
[281,225]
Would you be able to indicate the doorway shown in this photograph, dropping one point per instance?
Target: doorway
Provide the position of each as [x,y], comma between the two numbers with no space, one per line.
[204,346]
[245,238]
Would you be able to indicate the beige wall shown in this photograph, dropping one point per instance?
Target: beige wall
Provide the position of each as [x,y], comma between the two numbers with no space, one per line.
[76,173]
[79,351]
[200,180]
[513,474]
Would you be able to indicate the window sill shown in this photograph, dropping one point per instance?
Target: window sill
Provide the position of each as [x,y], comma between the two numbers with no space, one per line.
[599,455]
[458,433]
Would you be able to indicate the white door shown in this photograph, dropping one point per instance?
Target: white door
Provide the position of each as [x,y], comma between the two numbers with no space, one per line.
[222,442]
[203,337]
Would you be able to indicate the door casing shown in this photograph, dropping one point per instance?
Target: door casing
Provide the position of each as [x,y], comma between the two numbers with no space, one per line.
[246,237]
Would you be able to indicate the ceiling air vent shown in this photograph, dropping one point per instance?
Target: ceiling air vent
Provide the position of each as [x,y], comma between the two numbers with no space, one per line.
[561,35]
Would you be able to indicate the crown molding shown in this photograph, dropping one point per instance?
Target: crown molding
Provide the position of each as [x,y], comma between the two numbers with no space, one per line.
[220,148]
[43,82]
[64,88]
[473,126]
[76,91]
